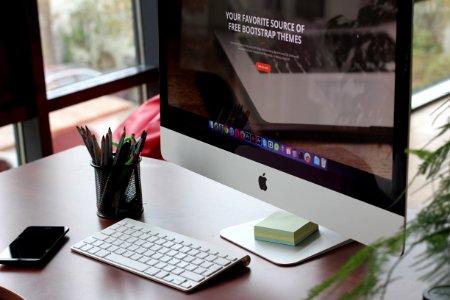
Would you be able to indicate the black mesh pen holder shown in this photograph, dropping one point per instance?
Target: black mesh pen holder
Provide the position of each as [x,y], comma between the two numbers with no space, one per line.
[118,191]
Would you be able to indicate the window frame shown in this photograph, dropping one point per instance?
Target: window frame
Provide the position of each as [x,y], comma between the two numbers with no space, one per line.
[31,119]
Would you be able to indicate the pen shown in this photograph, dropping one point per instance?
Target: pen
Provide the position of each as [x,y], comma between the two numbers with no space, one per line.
[119,147]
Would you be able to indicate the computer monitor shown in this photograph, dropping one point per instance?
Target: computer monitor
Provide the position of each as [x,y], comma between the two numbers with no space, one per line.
[302,104]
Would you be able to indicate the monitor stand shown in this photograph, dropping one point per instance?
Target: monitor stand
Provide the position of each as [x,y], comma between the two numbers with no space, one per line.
[318,243]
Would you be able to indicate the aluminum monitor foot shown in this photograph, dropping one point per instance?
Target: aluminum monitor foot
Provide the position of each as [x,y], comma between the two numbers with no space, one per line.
[320,242]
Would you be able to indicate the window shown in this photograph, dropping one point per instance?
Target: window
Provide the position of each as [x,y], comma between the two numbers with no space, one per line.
[431,43]
[82,39]
[431,51]
[64,53]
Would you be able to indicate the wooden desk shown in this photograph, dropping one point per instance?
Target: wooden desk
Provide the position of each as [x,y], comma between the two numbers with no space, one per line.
[59,190]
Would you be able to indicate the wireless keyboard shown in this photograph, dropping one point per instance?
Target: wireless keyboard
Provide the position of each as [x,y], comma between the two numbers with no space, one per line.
[158,254]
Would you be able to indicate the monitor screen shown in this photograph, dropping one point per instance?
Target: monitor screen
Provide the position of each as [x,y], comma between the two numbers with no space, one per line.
[315,90]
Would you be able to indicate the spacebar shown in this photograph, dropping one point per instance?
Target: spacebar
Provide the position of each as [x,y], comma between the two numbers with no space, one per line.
[121,260]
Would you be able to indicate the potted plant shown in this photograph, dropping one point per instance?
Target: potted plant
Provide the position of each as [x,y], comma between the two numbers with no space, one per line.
[428,234]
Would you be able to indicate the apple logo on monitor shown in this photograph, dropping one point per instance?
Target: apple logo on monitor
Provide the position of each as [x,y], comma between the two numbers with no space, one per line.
[262,180]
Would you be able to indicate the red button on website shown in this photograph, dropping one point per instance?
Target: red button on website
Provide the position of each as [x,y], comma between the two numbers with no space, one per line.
[263,67]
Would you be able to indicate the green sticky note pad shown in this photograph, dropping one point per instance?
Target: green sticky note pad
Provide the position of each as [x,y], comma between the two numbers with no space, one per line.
[284,228]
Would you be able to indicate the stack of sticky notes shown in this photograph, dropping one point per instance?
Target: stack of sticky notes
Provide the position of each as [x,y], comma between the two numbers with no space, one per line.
[284,228]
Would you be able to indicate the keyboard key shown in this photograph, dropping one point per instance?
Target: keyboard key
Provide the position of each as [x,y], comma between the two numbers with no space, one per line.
[124,237]
[112,248]
[125,245]
[200,270]
[144,259]
[188,258]
[121,229]
[213,269]
[97,243]
[160,242]
[193,252]
[174,261]
[129,231]
[157,255]
[79,245]
[147,245]
[168,244]
[177,247]
[86,247]
[180,256]
[188,284]
[165,258]
[149,253]
[116,234]
[160,265]
[185,249]
[192,276]
[102,253]
[132,240]
[108,231]
[152,262]
[93,250]
[127,262]
[152,239]
[206,264]
[100,236]
[120,251]
[136,256]
[169,268]
[191,267]
[133,247]
[140,242]
[136,234]
[144,236]
[152,271]
[114,226]
[155,248]
[89,240]
[105,246]
[202,255]
[177,271]
[178,279]
[128,254]
[163,250]
[182,264]
[140,250]
[161,274]
[222,261]
[118,243]
[211,258]
[197,261]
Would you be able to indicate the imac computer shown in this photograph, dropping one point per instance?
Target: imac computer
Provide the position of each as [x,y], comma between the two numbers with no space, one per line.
[301,104]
